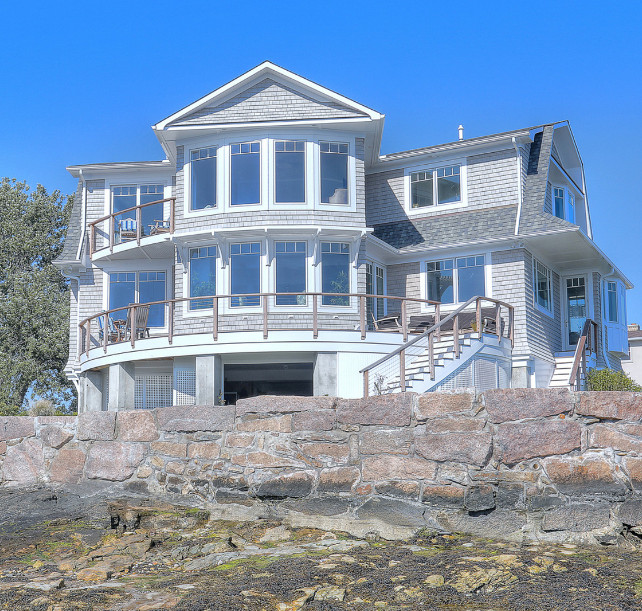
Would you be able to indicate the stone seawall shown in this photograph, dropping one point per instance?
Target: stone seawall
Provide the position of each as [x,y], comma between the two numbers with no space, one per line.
[534,464]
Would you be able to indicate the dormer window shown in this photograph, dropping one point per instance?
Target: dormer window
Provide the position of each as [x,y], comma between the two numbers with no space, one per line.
[289,171]
[246,173]
[564,204]
[334,172]
[436,186]
[203,178]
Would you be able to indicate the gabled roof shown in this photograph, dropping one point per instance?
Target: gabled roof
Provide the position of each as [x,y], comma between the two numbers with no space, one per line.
[239,100]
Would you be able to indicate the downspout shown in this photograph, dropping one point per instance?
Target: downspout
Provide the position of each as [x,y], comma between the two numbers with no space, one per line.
[519,185]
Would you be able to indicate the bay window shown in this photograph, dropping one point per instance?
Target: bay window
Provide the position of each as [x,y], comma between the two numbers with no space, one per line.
[335,272]
[245,273]
[334,172]
[138,287]
[436,186]
[203,178]
[289,172]
[290,271]
[455,280]
[202,276]
[245,173]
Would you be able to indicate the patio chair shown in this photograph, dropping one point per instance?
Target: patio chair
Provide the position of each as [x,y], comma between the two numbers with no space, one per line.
[113,334]
[141,328]
[159,227]
[127,229]
[386,323]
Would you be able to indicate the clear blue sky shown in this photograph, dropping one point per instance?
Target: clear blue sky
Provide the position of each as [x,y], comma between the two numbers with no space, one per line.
[83,82]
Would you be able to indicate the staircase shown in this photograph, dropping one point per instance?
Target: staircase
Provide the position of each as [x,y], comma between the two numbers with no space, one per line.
[422,363]
[562,372]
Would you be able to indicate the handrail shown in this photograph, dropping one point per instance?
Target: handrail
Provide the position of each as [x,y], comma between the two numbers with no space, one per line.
[586,341]
[85,326]
[137,209]
[437,325]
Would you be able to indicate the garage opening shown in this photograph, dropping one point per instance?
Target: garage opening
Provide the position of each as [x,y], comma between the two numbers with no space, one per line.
[242,381]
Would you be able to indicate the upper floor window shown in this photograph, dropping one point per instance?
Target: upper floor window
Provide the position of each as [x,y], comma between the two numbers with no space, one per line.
[611,301]
[335,272]
[128,197]
[455,280]
[290,260]
[203,178]
[289,171]
[564,204]
[437,186]
[245,173]
[543,290]
[202,275]
[334,172]
[245,273]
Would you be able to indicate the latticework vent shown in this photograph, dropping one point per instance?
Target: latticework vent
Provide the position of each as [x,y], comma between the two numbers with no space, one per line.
[153,390]
[185,387]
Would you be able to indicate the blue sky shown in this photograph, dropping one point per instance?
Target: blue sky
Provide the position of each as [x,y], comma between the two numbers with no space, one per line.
[83,82]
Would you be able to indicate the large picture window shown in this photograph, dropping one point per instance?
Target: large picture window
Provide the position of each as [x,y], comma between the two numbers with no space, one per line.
[437,186]
[131,196]
[290,260]
[246,173]
[202,276]
[455,280]
[334,172]
[203,178]
[289,171]
[245,274]
[335,272]
[543,291]
[138,287]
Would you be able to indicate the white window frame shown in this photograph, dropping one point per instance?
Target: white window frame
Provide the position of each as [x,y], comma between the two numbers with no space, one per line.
[549,277]
[350,170]
[423,279]
[109,192]
[228,307]
[306,177]
[187,174]
[273,242]
[569,196]
[263,168]
[351,273]
[433,167]
[188,286]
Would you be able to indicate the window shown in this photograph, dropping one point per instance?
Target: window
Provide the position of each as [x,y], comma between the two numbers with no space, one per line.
[542,280]
[290,260]
[130,196]
[375,286]
[334,172]
[289,171]
[335,272]
[245,273]
[202,276]
[611,299]
[438,186]
[245,173]
[564,204]
[203,178]
[138,287]
[455,280]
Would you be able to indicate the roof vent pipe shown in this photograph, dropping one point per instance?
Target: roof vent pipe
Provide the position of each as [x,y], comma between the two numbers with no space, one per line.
[461,132]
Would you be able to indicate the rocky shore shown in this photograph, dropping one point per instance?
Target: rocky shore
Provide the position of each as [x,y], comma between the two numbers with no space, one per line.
[61,551]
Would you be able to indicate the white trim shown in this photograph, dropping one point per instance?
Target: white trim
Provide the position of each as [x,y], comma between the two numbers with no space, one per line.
[549,274]
[433,166]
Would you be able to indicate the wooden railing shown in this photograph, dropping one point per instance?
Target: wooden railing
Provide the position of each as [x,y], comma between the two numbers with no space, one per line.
[586,345]
[165,226]
[344,312]
[377,376]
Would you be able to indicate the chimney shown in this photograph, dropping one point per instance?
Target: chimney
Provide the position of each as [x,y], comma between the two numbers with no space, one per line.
[461,132]
[634,326]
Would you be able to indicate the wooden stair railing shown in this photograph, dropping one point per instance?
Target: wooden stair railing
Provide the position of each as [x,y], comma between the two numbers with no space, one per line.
[586,345]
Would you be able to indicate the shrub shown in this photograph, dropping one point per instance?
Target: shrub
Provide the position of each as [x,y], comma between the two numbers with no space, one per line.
[43,407]
[610,379]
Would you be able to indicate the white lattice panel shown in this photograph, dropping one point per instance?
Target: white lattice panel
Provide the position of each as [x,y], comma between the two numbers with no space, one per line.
[185,387]
[153,390]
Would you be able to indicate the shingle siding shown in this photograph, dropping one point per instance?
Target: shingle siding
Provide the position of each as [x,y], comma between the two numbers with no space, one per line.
[268,101]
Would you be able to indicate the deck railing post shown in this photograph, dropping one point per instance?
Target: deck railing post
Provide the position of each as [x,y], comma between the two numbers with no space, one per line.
[170,322]
[132,325]
[456,335]
[92,239]
[215,319]
[478,317]
[366,383]
[105,331]
[112,233]
[88,337]
[404,321]
[362,316]
[438,320]
[511,326]
[139,227]
[265,317]
[431,355]
[315,317]
[172,212]
[498,322]
[402,370]
[81,345]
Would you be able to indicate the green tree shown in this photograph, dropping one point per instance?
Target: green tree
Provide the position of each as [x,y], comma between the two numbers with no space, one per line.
[610,379]
[34,296]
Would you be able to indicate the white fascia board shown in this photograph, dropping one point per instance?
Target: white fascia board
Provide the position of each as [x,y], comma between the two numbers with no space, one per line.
[393,160]
[125,166]
[261,71]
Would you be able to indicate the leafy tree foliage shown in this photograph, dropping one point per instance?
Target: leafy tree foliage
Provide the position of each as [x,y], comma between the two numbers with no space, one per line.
[610,379]
[34,296]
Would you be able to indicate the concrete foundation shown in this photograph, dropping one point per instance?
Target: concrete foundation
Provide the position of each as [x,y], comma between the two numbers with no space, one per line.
[209,377]
[90,396]
[325,374]
[121,386]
